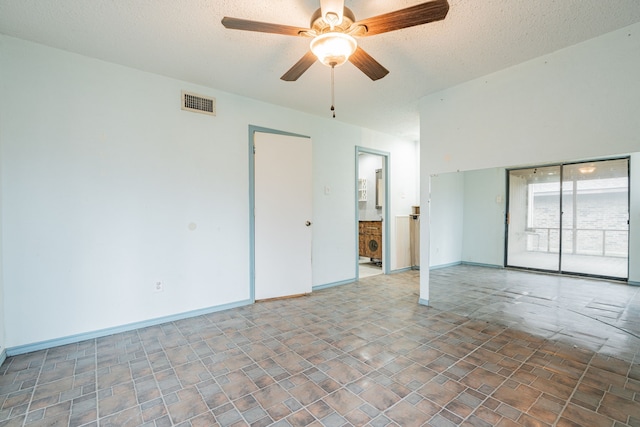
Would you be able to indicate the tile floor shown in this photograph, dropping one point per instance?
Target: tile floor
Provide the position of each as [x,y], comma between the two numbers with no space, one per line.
[368,268]
[497,347]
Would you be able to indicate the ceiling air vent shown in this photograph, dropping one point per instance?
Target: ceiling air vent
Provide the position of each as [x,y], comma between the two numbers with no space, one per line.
[198,103]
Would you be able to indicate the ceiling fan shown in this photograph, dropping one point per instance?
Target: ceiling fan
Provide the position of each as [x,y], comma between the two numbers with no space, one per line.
[333,28]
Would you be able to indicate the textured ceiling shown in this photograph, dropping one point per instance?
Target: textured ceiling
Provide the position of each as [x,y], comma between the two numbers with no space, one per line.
[184,39]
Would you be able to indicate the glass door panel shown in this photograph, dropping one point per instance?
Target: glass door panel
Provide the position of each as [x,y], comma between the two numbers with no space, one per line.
[534,218]
[595,214]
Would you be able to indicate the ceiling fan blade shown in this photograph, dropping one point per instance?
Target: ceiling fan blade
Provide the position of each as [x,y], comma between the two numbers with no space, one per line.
[299,68]
[367,64]
[261,27]
[415,15]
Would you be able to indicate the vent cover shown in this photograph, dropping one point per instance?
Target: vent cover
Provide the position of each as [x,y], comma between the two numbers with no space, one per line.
[198,103]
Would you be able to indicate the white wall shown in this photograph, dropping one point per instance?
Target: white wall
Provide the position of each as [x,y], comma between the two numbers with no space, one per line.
[404,183]
[484,215]
[109,187]
[446,219]
[579,102]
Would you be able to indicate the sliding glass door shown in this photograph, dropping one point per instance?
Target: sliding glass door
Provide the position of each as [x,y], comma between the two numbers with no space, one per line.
[595,222]
[571,218]
[534,218]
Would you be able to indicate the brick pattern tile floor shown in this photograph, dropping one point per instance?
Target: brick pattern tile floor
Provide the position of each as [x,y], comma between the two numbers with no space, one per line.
[495,348]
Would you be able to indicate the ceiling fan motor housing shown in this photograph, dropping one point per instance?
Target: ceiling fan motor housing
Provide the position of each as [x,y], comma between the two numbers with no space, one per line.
[320,26]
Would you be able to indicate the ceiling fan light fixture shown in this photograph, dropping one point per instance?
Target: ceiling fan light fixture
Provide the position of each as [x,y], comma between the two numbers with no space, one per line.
[333,49]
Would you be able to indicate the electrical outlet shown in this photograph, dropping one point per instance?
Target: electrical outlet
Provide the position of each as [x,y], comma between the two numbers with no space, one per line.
[158,287]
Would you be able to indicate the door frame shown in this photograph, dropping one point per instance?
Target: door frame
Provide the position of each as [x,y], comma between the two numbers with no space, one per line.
[252,201]
[386,256]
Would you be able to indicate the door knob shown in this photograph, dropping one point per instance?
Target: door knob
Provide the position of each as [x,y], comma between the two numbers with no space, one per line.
[308,223]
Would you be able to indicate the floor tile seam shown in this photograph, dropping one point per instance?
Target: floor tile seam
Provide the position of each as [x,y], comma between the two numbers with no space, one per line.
[567,401]
[600,405]
[44,408]
[494,352]
[345,388]
[328,376]
[420,344]
[403,399]
[193,320]
[339,353]
[24,422]
[95,375]
[292,412]
[513,371]
[155,380]
[4,394]
[487,396]
[241,368]
[99,419]
[266,410]
[198,358]
[209,409]
[232,402]
[443,408]
[332,347]
[503,331]
[228,335]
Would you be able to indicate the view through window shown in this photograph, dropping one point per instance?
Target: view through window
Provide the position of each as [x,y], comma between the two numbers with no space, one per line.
[571,218]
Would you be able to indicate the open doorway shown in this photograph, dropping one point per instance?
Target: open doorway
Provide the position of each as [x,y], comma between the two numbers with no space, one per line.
[372,207]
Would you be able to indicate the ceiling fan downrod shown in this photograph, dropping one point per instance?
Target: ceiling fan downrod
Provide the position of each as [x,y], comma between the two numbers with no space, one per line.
[333,97]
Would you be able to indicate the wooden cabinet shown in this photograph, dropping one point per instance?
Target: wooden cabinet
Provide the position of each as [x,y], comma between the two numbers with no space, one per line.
[370,239]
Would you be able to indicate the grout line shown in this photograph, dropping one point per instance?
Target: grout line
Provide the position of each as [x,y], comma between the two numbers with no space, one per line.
[509,378]
[33,392]
[95,371]
[153,375]
[575,389]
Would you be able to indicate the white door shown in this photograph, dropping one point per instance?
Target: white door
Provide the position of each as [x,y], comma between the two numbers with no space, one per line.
[282,166]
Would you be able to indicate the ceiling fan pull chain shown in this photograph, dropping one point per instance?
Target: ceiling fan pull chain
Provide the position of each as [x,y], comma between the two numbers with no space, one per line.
[333,98]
